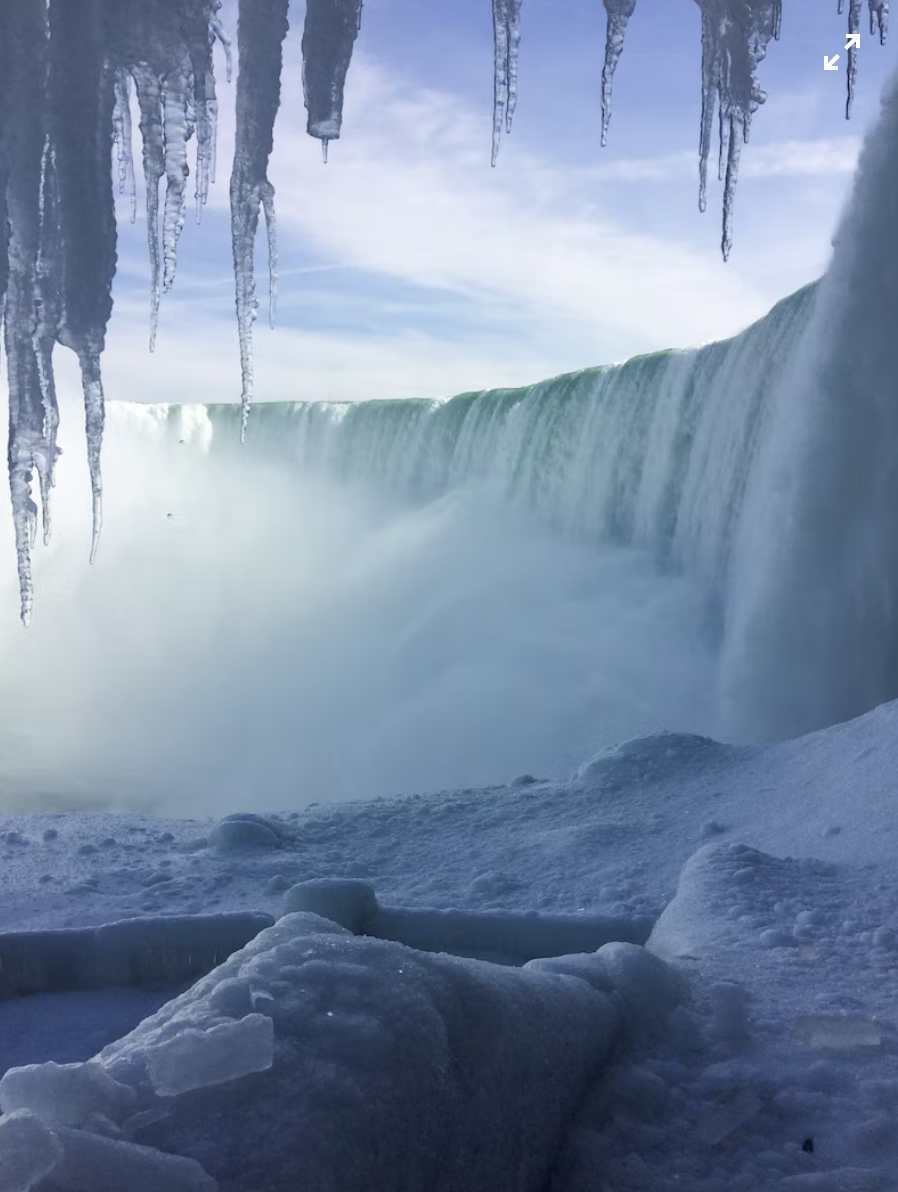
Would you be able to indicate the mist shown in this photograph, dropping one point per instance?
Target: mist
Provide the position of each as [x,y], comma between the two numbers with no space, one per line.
[251,637]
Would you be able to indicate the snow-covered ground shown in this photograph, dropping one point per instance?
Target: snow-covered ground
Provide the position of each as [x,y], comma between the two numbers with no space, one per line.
[771,874]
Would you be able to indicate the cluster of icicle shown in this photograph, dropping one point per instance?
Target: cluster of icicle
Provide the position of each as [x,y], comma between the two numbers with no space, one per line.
[67,72]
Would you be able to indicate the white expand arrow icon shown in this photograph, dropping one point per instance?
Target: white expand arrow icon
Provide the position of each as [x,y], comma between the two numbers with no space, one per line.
[854,39]
[830,63]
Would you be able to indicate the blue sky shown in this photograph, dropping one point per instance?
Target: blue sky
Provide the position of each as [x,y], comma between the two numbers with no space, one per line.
[409,268]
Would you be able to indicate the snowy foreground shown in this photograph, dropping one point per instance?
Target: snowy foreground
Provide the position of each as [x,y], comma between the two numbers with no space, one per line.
[752,1045]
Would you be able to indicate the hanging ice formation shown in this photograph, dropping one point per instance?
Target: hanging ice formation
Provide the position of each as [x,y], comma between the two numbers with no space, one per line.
[506,40]
[66,77]
[619,12]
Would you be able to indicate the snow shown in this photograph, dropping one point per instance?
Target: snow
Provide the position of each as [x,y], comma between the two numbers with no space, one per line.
[706,1060]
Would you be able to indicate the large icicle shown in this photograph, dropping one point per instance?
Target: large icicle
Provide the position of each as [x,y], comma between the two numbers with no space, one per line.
[31,446]
[734,41]
[506,43]
[82,91]
[879,23]
[166,46]
[122,135]
[619,13]
[201,27]
[328,38]
[262,27]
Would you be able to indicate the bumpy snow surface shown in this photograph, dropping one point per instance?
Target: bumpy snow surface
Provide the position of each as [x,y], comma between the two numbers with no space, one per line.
[751,1045]
[66,77]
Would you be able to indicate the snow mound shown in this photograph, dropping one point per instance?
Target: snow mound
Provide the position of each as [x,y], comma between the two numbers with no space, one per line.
[244,832]
[401,1071]
[660,755]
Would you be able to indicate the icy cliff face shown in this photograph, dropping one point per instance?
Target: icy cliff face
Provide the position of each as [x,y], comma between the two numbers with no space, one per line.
[66,77]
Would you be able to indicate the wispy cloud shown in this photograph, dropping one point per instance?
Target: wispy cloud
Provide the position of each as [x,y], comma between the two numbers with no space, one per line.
[785,159]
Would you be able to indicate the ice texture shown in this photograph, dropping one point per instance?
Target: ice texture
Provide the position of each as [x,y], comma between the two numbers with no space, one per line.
[506,43]
[734,42]
[132,952]
[110,1165]
[262,27]
[65,1094]
[619,13]
[196,1059]
[29,1150]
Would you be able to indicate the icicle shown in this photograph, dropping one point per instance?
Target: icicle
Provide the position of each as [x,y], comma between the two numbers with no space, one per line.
[122,137]
[152,130]
[23,46]
[82,102]
[175,108]
[48,317]
[619,13]
[879,23]
[731,51]
[328,38]
[94,421]
[506,42]
[324,144]
[201,28]
[262,27]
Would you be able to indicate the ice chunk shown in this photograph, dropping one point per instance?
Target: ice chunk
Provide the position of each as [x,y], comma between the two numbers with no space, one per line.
[506,43]
[29,1150]
[65,1094]
[90,1161]
[619,13]
[195,1059]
